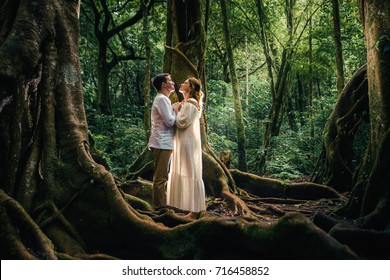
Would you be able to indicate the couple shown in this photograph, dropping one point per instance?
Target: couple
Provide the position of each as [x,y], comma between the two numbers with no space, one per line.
[177,127]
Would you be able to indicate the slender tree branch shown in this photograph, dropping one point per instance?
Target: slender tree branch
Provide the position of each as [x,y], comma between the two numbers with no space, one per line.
[131,21]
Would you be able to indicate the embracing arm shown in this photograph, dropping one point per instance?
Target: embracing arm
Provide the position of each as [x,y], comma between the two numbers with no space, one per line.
[186,115]
[166,111]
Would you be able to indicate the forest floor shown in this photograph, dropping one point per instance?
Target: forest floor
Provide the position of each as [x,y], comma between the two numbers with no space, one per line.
[267,209]
[271,209]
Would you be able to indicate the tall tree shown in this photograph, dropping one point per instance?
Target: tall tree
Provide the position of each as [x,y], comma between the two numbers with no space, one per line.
[339,49]
[236,91]
[185,36]
[369,203]
[310,92]
[374,209]
[246,75]
[278,73]
[106,29]
[277,88]
[147,118]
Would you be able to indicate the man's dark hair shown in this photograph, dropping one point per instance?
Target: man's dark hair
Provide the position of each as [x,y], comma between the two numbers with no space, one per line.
[159,79]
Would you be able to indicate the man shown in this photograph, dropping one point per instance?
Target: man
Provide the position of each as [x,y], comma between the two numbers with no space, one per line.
[161,138]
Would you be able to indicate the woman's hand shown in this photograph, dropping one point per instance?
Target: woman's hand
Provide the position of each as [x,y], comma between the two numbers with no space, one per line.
[182,104]
[176,107]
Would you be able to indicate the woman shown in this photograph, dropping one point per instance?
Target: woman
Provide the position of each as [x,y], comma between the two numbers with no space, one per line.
[185,184]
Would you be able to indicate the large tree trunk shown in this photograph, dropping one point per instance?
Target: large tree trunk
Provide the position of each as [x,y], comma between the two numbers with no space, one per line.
[375,205]
[185,40]
[339,133]
[369,202]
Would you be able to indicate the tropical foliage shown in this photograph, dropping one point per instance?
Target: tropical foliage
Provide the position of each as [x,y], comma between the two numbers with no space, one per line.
[293,155]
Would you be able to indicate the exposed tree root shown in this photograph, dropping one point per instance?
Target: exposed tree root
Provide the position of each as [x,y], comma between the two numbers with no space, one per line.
[266,187]
[365,242]
[200,234]
[21,237]
[142,166]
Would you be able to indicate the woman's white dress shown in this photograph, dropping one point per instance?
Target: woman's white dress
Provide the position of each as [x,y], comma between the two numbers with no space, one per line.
[185,185]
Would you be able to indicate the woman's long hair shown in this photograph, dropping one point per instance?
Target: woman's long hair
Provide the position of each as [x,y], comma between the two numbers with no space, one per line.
[195,91]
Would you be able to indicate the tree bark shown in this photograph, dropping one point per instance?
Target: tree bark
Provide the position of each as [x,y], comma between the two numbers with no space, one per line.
[103,74]
[185,40]
[375,204]
[339,133]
